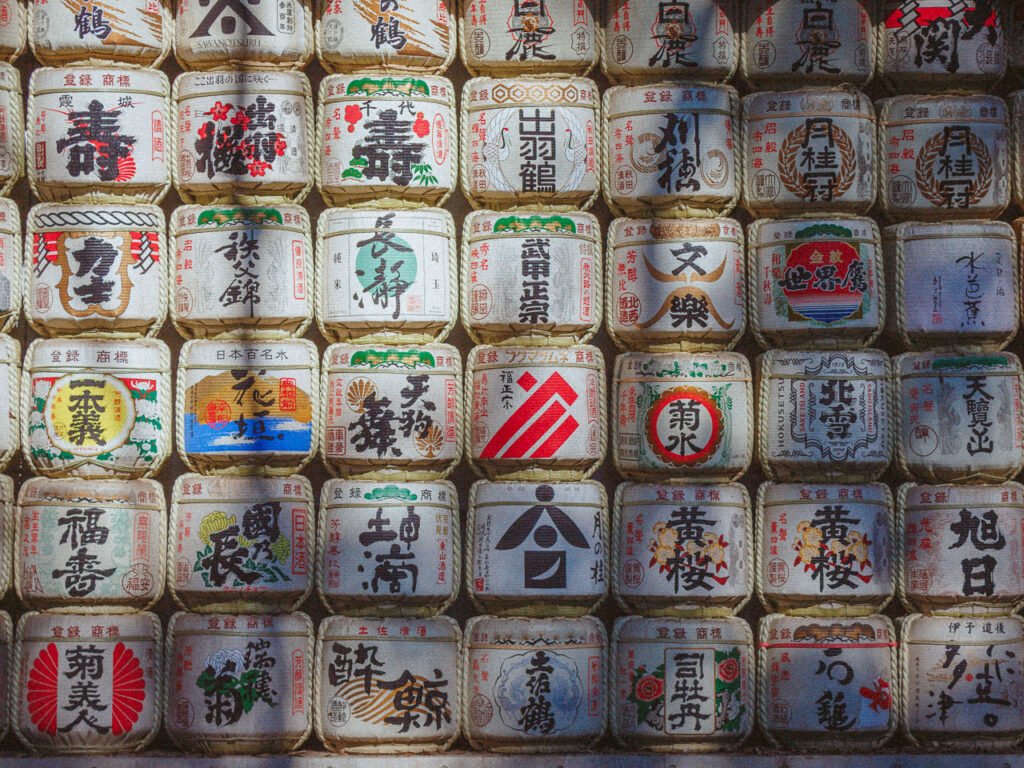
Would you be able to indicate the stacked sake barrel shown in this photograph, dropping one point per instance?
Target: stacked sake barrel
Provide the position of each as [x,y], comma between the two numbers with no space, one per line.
[952,275]
[387,675]
[242,530]
[531,299]
[96,405]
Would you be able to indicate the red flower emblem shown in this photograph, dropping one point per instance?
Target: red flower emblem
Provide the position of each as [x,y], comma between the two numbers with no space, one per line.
[258,168]
[203,130]
[280,145]
[728,670]
[353,114]
[241,119]
[219,111]
[421,127]
[649,688]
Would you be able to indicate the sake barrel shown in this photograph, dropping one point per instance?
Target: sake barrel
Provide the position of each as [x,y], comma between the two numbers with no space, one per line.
[676,285]
[86,683]
[649,39]
[248,407]
[239,683]
[531,277]
[12,126]
[808,150]
[790,41]
[535,413]
[671,149]
[133,32]
[953,285]
[242,271]
[824,415]
[386,275]
[682,550]
[825,549]
[531,142]
[830,684]
[395,36]
[536,548]
[387,548]
[944,157]
[392,412]
[926,46]
[10,262]
[98,134]
[959,417]
[90,547]
[961,548]
[243,136]
[95,408]
[815,281]
[681,684]
[682,415]
[13,28]
[529,37]
[534,685]
[961,679]
[388,684]
[386,138]
[241,543]
[278,35]
[96,269]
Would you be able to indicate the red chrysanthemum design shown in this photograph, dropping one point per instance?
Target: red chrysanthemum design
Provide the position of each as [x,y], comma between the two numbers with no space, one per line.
[128,690]
[41,690]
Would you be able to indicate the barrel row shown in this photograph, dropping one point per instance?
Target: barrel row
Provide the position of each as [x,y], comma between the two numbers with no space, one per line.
[766,41]
[256,683]
[533,548]
[666,149]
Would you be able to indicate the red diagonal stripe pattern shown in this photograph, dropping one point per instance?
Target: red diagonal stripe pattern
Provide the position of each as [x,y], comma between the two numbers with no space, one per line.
[554,386]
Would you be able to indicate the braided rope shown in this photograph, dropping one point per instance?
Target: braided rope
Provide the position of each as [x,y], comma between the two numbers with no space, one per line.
[14,267]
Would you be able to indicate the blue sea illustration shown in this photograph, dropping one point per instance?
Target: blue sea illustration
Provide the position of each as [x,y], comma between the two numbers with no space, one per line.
[255,435]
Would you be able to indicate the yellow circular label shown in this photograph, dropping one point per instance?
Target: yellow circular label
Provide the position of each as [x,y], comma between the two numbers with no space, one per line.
[87,414]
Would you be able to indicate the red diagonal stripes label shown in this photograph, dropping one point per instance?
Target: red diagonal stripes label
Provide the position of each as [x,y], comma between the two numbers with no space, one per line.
[542,399]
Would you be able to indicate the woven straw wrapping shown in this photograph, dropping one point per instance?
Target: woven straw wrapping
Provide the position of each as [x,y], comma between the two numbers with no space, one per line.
[570,253]
[405,604]
[254,325]
[646,39]
[714,739]
[789,328]
[58,38]
[389,743]
[279,50]
[12,242]
[525,467]
[47,189]
[911,318]
[555,601]
[385,195]
[529,634]
[264,595]
[138,315]
[800,594]
[667,204]
[232,189]
[224,739]
[373,324]
[943,557]
[740,554]
[76,743]
[826,740]
[109,595]
[252,462]
[338,39]
[857,457]
[657,289]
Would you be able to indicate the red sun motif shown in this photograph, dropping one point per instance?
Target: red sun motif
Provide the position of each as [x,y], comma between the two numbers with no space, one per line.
[127,690]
